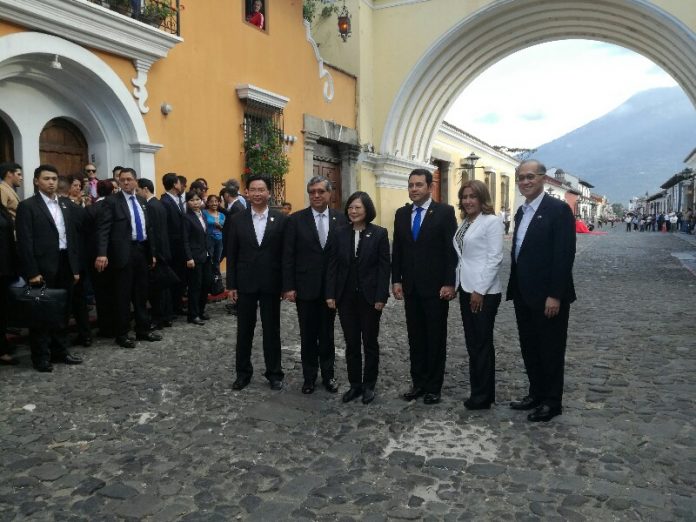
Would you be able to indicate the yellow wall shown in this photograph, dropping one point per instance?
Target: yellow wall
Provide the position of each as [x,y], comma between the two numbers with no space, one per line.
[202,135]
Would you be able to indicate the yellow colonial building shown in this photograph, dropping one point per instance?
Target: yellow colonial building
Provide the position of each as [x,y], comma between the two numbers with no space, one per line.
[104,81]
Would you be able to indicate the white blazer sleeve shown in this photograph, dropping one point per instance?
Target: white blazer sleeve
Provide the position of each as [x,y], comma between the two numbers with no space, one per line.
[494,255]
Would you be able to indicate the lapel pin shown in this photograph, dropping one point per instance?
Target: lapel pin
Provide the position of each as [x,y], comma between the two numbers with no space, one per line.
[430,212]
[272,218]
[538,217]
[368,235]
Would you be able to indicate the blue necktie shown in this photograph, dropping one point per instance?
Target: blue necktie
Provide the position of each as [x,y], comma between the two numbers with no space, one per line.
[139,236]
[417,223]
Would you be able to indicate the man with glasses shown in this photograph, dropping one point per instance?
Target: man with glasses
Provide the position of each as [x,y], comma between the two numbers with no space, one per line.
[305,260]
[541,288]
[91,174]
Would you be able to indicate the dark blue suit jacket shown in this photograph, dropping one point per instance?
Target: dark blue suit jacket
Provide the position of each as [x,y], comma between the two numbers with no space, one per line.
[544,267]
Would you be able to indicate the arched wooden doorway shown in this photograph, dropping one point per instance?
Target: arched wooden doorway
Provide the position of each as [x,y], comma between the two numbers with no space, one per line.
[6,143]
[63,145]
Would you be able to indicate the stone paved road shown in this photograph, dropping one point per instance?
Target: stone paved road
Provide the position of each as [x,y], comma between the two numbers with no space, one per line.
[156,433]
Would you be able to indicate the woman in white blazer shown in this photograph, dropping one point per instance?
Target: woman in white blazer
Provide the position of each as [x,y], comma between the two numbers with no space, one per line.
[479,245]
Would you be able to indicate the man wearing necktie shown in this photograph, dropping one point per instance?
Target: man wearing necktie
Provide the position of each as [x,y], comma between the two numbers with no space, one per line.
[541,288]
[423,274]
[254,280]
[175,225]
[47,245]
[305,261]
[126,250]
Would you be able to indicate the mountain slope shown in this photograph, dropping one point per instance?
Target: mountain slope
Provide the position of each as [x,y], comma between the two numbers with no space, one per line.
[632,149]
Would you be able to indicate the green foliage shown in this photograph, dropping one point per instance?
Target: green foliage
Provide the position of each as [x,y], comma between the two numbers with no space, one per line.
[158,10]
[263,152]
[310,8]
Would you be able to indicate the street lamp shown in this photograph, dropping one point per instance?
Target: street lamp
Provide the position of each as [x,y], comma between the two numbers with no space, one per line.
[344,23]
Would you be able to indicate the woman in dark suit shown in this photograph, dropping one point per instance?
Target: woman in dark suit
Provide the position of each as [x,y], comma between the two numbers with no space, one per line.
[357,284]
[479,245]
[8,274]
[198,264]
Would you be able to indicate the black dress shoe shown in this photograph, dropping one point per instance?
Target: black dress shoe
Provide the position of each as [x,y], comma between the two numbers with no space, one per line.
[240,383]
[9,362]
[197,321]
[125,342]
[71,359]
[431,398]
[43,366]
[278,385]
[205,317]
[471,405]
[167,324]
[150,337]
[353,393]
[525,403]
[544,413]
[368,396]
[331,386]
[413,394]
[308,387]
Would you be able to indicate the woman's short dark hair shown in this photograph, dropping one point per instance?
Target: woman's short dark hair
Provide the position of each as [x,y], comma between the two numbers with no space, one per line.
[364,197]
[192,194]
[481,193]
[104,188]
[212,196]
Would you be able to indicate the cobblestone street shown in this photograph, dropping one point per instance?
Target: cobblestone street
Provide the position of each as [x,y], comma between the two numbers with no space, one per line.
[157,433]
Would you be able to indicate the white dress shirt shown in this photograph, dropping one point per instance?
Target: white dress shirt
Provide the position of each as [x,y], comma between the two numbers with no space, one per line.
[57,215]
[424,206]
[129,204]
[528,209]
[259,220]
[316,215]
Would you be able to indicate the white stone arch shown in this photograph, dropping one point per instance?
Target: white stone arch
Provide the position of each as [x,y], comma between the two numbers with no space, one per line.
[507,26]
[85,91]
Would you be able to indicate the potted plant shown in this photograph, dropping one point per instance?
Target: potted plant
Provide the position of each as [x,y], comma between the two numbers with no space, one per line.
[154,13]
[120,6]
[264,154]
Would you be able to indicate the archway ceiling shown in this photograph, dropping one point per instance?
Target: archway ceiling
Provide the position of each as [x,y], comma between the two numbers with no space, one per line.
[509,26]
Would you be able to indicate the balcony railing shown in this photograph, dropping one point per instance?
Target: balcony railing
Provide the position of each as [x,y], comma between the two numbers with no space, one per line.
[163,14]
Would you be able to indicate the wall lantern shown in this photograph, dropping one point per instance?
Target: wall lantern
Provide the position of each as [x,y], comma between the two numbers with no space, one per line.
[471,160]
[344,23]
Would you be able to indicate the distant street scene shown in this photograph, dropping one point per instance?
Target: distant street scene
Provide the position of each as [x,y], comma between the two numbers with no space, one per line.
[156,433]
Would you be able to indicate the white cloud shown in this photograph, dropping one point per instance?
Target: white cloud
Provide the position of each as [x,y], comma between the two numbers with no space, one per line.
[545,91]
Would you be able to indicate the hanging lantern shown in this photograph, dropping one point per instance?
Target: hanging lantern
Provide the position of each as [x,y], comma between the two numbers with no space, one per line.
[344,23]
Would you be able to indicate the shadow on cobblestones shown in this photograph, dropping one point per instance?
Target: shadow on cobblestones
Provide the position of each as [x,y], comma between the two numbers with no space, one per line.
[156,433]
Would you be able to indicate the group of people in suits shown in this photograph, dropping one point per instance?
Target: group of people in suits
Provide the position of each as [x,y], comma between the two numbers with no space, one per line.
[327,263]
[324,261]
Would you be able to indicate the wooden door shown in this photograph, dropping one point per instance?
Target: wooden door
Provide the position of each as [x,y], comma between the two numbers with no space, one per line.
[6,143]
[331,171]
[63,145]
[437,192]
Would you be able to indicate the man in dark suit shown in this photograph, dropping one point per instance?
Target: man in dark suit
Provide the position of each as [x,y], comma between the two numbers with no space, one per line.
[159,291]
[49,253]
[541,287]
[305,260]
[423,273]
[254,280]
[175,210]
[232,204]
[127,248]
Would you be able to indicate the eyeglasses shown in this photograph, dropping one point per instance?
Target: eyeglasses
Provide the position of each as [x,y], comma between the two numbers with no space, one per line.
[319,192]
[90,170]
[526,177]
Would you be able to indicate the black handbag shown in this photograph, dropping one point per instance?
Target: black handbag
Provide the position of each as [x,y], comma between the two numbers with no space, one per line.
[37,307]
[218,286]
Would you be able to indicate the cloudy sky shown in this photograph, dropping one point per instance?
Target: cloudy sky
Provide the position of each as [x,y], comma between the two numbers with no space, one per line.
[545,91]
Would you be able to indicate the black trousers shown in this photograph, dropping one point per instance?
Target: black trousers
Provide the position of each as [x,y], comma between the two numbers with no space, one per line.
[543,344]
[426,323]
[478,331]
[360,324]
[198,280]
[177,291]
[102,282]
[53,344]
[247,304]
[130,288]
[79,307]
[316,339]
[4,291]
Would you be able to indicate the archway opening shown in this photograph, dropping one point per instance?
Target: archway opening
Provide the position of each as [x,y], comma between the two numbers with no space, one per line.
[6,143]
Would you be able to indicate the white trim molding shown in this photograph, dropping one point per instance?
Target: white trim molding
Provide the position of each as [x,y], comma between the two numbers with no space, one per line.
[257,94]
[324,74]
[391,171]
[96,27]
